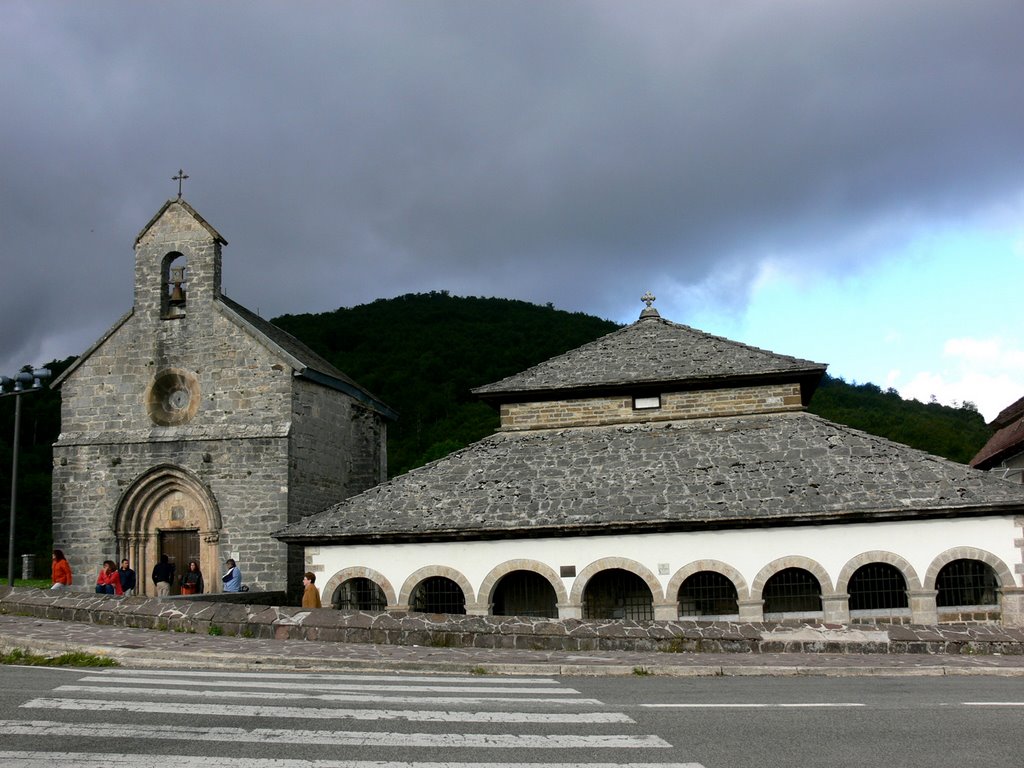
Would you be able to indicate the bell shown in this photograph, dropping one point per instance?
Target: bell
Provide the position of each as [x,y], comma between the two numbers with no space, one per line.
[177,292]
[177,295]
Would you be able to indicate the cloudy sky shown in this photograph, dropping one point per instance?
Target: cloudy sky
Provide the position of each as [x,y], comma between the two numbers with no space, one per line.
[840,181]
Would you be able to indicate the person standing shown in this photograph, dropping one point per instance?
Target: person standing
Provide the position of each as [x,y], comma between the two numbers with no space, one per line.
[192,580]
[127,577]
[233,577]
[61,571]
[163,575]
[310,594]
[108,582]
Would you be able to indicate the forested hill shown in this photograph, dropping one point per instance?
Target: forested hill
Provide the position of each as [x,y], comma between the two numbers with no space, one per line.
[422,353]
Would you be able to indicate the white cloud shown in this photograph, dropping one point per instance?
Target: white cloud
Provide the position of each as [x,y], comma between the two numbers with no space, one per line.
[987,372]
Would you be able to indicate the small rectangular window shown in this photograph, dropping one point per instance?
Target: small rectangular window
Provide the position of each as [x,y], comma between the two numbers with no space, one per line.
[646,403]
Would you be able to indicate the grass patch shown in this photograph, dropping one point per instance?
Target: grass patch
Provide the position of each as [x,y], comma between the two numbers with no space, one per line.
[215,630]
[67,659]
[642,672]
[37,583]
[478,671]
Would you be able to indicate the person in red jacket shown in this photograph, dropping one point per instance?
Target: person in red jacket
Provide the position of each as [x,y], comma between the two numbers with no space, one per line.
[108,582]
[61,571]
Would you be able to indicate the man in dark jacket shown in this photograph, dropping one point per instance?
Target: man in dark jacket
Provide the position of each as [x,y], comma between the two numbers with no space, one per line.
[163,575]
[127,576]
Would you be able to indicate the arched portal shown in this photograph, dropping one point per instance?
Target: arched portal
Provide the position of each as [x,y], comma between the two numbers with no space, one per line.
[168,511]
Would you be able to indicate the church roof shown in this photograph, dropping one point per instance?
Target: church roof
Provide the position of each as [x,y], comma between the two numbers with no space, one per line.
[309,363]
[651,352]
[781,468]
[1008,439]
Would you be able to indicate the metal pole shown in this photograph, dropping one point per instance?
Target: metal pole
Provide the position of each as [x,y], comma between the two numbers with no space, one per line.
[14,490]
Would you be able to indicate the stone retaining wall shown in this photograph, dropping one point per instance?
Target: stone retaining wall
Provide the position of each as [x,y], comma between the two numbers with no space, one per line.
[435,630]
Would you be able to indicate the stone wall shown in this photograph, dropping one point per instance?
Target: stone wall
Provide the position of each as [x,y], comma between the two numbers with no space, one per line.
[692,404]
[327,625]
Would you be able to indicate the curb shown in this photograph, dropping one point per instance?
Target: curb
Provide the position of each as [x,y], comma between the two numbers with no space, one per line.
[142,659]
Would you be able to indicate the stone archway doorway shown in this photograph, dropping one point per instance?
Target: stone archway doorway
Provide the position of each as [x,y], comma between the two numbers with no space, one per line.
[169,511]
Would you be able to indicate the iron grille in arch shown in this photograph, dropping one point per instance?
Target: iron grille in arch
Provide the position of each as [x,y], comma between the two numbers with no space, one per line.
[792,590]
[966,582]
[525,593]
[360,594]
[437,594]
[877,586]
[618,594]
[707,593]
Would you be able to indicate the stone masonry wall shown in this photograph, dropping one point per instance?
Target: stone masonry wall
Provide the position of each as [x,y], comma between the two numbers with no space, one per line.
[335,453]
[436,630]
[674,405]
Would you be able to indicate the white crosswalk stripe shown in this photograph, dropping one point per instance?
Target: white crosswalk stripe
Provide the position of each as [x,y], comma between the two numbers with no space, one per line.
[331,713]
[351,697]
[188,709]
[46,729]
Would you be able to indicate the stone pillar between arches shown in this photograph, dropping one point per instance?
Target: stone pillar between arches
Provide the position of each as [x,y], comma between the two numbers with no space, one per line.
[836,608]
[570,610]
[751,610]
[1011,606]
[667,611]
[923,608]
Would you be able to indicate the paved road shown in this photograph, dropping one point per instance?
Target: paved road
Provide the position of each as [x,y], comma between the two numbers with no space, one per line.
[186,718]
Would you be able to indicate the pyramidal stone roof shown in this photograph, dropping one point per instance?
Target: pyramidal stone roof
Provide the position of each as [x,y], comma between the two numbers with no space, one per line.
[780,468]
[772,468]
[651,351]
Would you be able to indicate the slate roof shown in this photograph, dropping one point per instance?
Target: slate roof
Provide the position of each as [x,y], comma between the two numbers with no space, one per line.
[763,469]
[1008,439]
[652,351]
[310,363]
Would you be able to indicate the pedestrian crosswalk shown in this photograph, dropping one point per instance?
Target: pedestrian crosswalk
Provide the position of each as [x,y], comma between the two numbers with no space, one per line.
[190,718]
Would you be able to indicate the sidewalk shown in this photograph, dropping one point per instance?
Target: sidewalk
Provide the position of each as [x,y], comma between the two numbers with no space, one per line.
[154,648]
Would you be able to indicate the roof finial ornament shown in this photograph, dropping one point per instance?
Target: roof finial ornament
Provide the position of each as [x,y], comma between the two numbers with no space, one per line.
[179,178]
[648,311]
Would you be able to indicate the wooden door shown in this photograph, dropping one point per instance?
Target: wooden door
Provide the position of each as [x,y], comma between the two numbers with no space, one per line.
[180,547]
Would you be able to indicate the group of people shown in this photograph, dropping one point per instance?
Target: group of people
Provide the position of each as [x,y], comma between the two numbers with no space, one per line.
[121,581]
[115,581]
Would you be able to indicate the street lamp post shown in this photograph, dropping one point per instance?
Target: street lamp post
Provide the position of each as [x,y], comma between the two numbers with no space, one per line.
[21,384]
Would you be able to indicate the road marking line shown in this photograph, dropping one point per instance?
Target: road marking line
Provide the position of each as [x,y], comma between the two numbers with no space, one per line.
[693,705]
[53,729]
[350,697]
[16,759]
[993,703]
[312,713]
[336,686]
[324,676]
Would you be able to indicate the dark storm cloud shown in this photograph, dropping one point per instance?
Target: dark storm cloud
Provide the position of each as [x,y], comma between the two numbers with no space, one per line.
[577,153]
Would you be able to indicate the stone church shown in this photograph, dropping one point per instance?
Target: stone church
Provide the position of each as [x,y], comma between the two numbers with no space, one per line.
[660,472]
[194,428]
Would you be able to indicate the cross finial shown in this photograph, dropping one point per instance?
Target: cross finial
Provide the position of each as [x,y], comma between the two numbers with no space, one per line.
[648,311]
[179,178]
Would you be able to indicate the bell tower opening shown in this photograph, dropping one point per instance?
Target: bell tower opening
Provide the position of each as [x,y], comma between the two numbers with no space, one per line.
[173,286]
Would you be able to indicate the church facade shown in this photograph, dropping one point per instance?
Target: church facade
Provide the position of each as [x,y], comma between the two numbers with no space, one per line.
[664,473]
[194,428]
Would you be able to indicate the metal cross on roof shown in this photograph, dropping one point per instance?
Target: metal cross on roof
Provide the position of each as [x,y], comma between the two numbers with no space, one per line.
[648,299]
[179,178]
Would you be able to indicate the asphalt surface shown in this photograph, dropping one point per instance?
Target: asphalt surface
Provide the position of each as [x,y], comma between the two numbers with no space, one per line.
[153,648]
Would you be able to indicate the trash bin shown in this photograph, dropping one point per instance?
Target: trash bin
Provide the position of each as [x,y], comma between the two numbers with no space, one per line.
[28,566]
